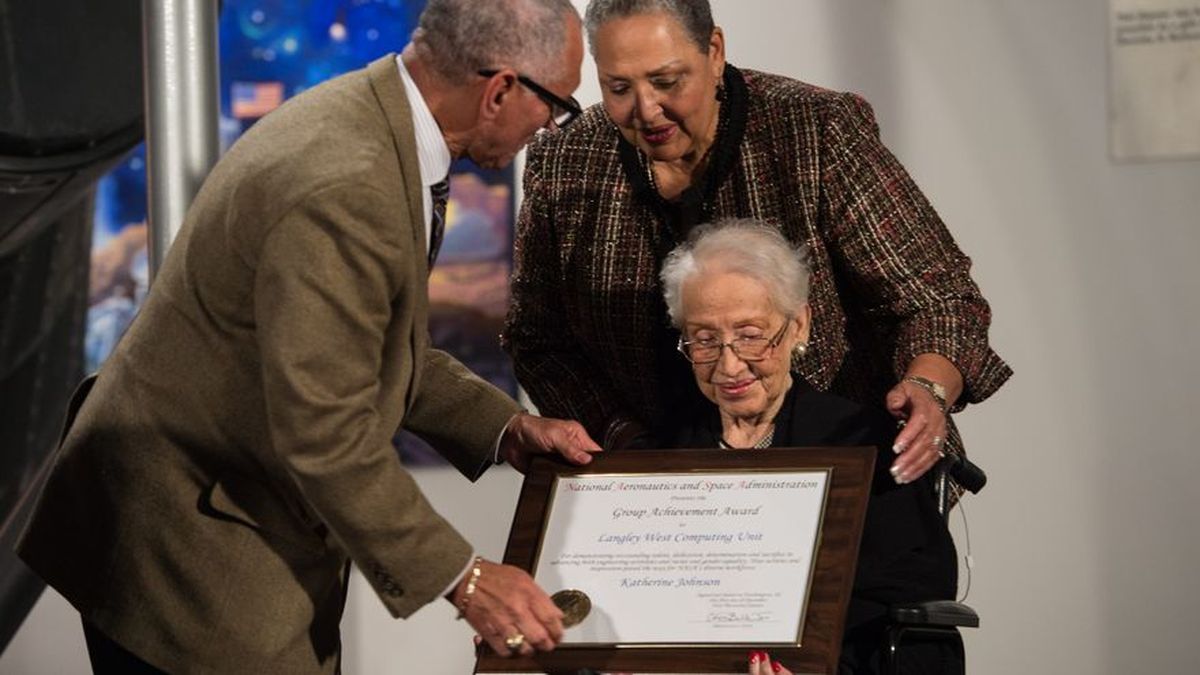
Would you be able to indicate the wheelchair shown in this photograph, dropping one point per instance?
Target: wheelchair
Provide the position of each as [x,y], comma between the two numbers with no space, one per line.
[935,620]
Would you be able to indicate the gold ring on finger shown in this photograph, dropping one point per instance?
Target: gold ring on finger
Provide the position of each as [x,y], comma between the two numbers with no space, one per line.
[514,642]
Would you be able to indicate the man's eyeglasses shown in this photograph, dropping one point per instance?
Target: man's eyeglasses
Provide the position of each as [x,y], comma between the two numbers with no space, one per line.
[745,348]
[562,112]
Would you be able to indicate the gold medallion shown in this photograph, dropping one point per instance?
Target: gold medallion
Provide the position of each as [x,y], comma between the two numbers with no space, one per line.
[575,606]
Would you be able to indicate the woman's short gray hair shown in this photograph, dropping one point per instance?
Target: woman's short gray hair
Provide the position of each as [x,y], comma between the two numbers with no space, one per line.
[743,246]
[458,38]
[694,15]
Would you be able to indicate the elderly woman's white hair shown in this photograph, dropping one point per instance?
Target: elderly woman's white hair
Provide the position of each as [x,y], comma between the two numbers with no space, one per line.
[744,246]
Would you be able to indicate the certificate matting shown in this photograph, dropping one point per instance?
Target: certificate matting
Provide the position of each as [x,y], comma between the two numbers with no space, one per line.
[722,558]
[634,528]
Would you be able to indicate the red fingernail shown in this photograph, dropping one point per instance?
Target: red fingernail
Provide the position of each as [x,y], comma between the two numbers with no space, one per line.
[776,666]
[753,658]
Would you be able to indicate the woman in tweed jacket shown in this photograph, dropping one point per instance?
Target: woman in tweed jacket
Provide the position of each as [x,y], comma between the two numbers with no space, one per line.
[682,138]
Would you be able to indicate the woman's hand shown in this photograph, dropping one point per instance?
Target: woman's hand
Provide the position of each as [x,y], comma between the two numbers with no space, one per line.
[923,417]
[919,442]
[761,664]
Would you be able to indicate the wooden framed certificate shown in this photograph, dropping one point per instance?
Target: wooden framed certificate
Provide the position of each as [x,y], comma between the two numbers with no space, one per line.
[681,561]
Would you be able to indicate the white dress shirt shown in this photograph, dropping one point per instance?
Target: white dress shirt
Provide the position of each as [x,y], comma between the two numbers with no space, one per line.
[433,155]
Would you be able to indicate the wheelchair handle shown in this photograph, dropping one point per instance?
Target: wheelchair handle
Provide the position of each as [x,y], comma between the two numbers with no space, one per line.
[965,472]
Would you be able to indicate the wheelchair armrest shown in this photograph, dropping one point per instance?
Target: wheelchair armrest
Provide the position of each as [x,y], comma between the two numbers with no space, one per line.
[934,613]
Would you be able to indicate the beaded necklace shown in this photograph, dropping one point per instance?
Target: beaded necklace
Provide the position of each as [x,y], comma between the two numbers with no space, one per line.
[764,442]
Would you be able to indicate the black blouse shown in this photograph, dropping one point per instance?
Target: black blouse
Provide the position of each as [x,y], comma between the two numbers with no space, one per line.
[906,553]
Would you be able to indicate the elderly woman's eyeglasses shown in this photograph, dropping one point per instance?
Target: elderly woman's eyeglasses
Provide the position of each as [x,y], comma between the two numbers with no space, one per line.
[745,348]
[562,111]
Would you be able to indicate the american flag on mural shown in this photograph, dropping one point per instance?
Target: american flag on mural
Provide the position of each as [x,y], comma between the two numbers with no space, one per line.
[251,100]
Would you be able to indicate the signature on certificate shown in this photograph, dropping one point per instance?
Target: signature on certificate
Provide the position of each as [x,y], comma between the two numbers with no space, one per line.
[738,617]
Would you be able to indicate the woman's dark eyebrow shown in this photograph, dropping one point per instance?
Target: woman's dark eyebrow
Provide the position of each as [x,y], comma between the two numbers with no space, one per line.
[664,69]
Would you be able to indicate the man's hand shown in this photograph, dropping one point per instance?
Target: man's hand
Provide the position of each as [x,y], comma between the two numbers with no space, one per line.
[529,435]
[508,610]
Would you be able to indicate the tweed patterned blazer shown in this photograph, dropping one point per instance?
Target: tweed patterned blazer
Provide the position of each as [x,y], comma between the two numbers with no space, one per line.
[588,329]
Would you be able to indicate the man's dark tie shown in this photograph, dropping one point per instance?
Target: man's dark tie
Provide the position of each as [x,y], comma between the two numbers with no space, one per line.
[441,193]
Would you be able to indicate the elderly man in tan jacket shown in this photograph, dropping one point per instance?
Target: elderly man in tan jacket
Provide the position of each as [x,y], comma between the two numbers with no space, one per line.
[234,453]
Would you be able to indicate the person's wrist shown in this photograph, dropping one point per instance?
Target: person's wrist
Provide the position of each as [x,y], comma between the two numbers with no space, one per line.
[516,426]
[935,389]
[511,437]
[464,592]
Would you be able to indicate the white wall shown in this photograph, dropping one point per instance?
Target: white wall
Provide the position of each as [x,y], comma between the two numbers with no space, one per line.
[1086,538]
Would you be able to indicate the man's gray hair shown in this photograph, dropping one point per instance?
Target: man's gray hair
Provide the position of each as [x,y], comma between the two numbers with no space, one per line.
[694,15]
[743,246]
[457,38]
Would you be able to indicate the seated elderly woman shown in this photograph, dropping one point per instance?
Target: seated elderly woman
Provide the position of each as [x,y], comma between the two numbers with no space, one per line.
[737,292]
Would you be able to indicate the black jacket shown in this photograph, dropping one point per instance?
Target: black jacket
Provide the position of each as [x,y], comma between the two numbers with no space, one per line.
[906,554]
